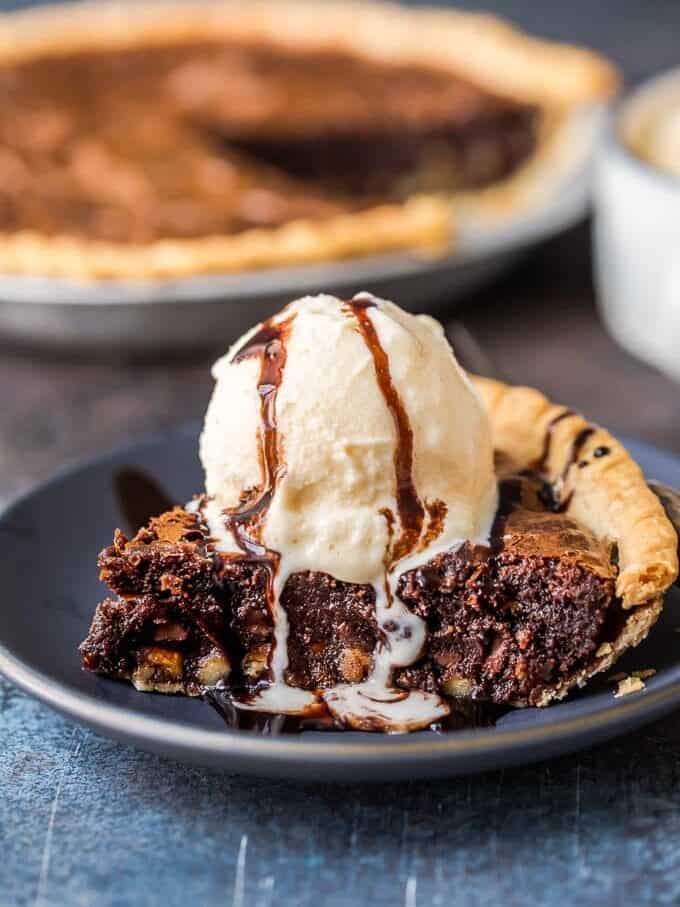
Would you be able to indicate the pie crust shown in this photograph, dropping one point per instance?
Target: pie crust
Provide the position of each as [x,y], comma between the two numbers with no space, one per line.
[609,496]
[566,83]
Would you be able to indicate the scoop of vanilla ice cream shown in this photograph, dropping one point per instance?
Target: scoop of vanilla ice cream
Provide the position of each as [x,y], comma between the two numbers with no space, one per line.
[337,438]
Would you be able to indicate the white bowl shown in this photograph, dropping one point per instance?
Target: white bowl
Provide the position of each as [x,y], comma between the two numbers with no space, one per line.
[637,234]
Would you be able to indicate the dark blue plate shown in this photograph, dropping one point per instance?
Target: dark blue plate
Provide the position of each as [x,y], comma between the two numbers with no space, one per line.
[50,540]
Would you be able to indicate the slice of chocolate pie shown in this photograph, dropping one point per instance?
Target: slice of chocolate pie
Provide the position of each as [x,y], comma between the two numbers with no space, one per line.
[158,140]
[357,554]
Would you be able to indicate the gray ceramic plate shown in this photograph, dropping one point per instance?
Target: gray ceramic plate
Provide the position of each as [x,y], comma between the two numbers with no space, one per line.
[50,541]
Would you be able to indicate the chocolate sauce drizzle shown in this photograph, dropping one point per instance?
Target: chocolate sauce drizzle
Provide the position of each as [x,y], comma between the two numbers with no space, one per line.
[509,497]
[410,507]
[542,461]
[577,446]
[551,493]
[246,521]
[436,512]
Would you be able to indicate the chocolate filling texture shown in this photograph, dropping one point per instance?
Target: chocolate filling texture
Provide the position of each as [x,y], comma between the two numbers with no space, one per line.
[504,622]
[215,137]
[167,629]
[332,628]
[507,622]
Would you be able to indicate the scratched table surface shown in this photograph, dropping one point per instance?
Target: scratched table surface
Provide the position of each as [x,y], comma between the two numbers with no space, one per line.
[86,821]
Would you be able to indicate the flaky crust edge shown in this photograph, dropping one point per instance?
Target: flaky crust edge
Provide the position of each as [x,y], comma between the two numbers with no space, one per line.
[609,496]
[422,225]
[566,81]
[481,47]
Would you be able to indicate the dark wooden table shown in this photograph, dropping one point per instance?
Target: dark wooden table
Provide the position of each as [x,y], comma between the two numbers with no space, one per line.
[85,821]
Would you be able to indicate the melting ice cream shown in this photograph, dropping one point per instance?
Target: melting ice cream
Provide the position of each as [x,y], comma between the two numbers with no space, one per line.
[343,437]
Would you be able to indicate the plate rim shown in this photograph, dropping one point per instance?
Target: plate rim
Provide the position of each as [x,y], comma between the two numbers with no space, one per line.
[124,723]
[172,736]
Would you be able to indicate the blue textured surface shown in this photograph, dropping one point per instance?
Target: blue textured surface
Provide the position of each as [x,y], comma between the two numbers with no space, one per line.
[85,821]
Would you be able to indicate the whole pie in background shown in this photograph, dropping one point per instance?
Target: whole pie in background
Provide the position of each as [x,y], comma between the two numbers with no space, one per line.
[162,140]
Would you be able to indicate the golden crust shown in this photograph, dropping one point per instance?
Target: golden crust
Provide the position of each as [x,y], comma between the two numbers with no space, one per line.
[609,496]
[422,223]
[565,81]
[485,49]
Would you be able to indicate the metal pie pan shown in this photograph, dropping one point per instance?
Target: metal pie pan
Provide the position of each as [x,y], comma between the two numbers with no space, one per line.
[133,318]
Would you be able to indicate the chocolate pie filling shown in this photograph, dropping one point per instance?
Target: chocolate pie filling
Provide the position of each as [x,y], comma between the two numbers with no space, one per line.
[332,626]
[211,137]
[168,627]
[504,622]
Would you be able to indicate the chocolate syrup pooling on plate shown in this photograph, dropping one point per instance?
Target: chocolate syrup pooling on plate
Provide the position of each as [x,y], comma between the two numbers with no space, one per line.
[463,716]
[267,724]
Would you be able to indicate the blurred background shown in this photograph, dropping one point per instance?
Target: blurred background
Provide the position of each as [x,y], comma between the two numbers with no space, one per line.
[640,36]
[536,324]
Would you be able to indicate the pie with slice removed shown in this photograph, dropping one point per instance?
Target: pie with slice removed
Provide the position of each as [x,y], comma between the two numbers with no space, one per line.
[160,140]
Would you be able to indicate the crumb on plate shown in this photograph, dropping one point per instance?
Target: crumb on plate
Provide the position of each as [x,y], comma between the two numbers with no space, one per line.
[629,685]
